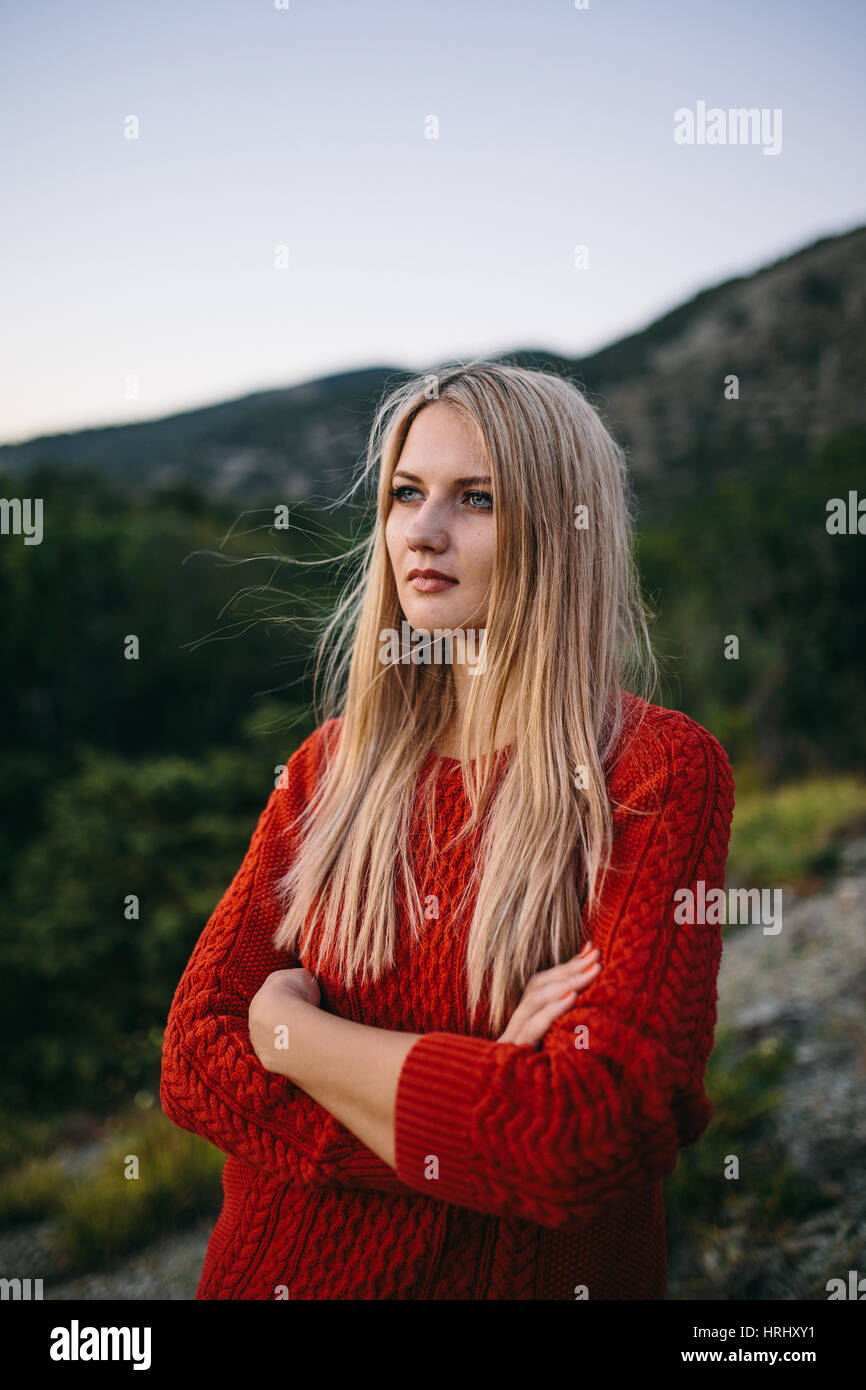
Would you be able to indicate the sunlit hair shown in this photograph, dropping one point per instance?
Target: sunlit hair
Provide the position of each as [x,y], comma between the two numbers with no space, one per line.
[566,631]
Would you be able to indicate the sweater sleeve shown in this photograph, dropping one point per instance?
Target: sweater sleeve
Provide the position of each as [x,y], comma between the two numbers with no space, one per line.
[212,1082]
[565,1134]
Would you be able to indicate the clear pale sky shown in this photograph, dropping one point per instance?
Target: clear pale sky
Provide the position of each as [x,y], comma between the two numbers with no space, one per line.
[305,127]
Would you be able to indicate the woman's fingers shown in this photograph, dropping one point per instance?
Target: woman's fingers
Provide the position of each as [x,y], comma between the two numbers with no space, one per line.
[567,974]
[584,957]
[535,1028]
[533,1015]
[549,993]
[555,982]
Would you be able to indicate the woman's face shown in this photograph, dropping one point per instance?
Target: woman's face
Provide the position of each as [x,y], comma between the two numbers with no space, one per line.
[442,519]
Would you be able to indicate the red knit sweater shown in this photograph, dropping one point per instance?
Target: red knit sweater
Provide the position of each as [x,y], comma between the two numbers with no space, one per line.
[550,1161]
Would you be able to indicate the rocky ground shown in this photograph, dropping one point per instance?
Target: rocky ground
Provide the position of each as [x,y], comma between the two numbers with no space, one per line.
[168,1269]
[806,984]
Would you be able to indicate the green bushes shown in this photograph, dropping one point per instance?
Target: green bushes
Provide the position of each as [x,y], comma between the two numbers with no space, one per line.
[85,987]
[107,1213]
[794,833]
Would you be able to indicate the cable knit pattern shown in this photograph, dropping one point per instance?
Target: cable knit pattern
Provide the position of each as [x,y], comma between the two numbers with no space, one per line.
[548,1164]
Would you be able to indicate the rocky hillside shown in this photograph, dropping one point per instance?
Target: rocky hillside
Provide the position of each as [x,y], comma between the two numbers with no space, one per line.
[793,335]
[796,1216]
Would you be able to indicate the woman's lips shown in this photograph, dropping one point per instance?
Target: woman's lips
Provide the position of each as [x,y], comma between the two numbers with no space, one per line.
[428,585]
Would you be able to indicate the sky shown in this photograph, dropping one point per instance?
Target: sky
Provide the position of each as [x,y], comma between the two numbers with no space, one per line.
[317,187]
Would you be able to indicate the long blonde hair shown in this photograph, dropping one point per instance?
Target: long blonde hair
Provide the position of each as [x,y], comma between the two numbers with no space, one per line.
[566,626]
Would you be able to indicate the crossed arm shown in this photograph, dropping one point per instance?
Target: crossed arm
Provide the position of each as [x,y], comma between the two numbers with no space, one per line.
[349,1068]
[353,1070]
[556,1136]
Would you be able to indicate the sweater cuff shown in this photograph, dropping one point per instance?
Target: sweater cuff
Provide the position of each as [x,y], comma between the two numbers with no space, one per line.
[443,1079]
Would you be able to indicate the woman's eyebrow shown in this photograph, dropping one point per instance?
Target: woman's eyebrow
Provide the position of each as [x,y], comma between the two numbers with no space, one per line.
[458,482]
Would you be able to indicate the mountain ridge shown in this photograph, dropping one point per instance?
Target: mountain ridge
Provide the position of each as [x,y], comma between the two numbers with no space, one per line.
[792,332]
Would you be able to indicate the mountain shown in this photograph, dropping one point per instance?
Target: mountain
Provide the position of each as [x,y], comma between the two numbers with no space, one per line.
[292,442]
[792,333]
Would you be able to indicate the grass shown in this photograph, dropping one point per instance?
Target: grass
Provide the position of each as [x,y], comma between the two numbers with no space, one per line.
[31,1192]
[701,1201]
[111,1212]
[107,1212]
[26,1137]
[794,833]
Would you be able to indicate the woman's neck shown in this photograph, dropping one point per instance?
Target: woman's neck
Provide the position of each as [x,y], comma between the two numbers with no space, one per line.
[448,745]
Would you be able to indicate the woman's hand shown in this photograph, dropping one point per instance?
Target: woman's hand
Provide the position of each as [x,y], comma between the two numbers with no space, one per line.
[550,993]
[270,1009]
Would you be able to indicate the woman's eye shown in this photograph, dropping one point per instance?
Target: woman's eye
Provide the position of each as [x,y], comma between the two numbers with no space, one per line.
[488,500]
[486,503]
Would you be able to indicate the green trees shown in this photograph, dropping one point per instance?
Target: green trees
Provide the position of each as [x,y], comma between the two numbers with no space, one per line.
[752,558]
[106,905]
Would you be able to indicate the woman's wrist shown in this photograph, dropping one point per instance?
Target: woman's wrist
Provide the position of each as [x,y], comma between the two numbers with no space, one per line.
[275,1022]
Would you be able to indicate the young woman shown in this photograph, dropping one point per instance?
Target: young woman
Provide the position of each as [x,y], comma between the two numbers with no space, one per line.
[449,1022]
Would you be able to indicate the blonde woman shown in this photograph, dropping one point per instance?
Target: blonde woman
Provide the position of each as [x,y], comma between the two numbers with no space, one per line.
[450,1022]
